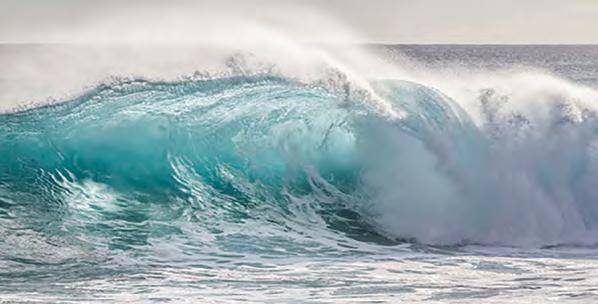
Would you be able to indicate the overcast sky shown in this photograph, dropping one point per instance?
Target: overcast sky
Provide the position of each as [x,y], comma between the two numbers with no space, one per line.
[398,21]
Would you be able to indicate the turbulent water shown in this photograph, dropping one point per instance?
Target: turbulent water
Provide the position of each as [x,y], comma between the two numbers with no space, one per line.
[265,188]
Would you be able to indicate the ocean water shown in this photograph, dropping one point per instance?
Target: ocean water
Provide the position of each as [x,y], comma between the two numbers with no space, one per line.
[467,176]
[574,62]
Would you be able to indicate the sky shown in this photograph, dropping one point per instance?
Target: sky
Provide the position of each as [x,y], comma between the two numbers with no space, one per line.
[350,21]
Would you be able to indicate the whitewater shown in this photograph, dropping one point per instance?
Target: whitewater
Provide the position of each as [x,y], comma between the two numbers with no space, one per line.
[303,174]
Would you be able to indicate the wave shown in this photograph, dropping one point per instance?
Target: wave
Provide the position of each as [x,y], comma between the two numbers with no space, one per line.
[247,163]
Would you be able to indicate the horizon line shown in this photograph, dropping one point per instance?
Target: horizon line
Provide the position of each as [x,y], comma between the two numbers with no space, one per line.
[320,43]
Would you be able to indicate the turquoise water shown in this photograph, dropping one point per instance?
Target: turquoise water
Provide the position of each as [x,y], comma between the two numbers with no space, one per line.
[266,189]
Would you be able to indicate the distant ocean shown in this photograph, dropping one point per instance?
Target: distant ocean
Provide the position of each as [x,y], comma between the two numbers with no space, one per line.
[444,174]
[578,63]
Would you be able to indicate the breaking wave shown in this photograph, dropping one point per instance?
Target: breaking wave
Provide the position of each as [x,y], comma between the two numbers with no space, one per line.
[269,165]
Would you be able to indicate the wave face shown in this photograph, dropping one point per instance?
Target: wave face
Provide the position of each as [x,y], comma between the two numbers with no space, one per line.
[269,166]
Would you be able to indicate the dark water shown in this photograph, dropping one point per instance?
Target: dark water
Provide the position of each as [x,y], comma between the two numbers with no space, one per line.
[578,63]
